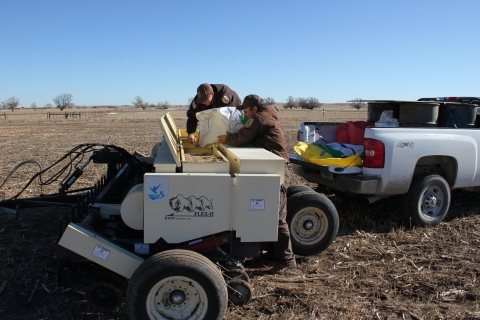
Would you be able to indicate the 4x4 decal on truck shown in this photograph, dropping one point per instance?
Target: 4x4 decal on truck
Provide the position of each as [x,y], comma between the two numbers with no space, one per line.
[405,144]
[194,207]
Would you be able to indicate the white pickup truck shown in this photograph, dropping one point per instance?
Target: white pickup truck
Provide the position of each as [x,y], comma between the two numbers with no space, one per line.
[434,148]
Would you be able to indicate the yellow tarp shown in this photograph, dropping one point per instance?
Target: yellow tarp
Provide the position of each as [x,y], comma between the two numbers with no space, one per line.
[313,154]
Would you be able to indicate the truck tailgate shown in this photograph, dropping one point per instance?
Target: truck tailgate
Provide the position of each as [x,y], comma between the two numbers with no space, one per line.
[355,183]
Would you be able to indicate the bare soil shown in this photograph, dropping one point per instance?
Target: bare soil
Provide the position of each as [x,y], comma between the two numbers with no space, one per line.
[377,268]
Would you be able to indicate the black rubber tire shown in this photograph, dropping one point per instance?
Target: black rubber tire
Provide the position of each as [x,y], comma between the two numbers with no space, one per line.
[182,266]
[104,297]
[317,210]
[417,202]
[296,189]
[111,278]
[241,286]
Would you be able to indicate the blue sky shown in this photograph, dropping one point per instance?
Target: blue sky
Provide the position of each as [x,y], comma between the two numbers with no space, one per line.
[108,52]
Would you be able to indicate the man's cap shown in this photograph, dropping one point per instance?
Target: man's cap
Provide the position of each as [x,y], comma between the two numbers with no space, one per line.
[252,100]
[202,93]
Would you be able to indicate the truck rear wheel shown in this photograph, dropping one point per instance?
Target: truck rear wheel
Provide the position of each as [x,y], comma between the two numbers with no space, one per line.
[313,222]
[177,284]
[427,201]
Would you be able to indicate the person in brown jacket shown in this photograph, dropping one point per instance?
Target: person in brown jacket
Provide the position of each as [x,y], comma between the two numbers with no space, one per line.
[263,130]
[209,96]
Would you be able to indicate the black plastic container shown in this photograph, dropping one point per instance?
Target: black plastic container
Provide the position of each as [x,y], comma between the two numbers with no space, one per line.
[418,114]
[461,115]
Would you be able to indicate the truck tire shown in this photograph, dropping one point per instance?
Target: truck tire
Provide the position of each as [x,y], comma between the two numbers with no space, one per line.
[177,284]
[427,201]
[313,222]
[296,189]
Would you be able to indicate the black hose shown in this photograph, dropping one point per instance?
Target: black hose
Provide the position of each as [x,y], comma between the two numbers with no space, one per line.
[75,156]
[17,167]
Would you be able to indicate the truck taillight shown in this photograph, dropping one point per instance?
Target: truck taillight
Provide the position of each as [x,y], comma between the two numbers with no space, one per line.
[298,135]
[374,154]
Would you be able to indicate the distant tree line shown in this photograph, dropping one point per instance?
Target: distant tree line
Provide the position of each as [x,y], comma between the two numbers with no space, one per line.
[64,101]
[138,102]
[358,103]
[11,103]
[304,103]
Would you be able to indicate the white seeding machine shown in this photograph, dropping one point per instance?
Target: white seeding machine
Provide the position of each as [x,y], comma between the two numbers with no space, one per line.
[168,237]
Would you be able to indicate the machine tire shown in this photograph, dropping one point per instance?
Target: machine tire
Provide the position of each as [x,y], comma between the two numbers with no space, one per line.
[427,200]
[232,271]
[236,274]
[177,284]
[239,286]
[104,297]
[313,222]
[296,189]
[111,278]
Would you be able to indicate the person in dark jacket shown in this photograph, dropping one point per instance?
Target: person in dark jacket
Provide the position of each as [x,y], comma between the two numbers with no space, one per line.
[209,96]
[263,130]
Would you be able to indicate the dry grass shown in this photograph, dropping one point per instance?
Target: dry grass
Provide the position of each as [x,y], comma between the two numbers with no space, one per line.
[377,268]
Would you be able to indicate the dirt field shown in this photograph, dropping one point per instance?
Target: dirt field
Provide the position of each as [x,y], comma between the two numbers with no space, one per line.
[377,268]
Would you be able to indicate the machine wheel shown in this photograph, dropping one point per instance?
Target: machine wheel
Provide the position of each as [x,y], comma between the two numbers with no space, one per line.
[104,297]
[296,189]
[232,271]
[427,201]
[313,222]
[239,292]
[110,278]
[236,274]
[177,284]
